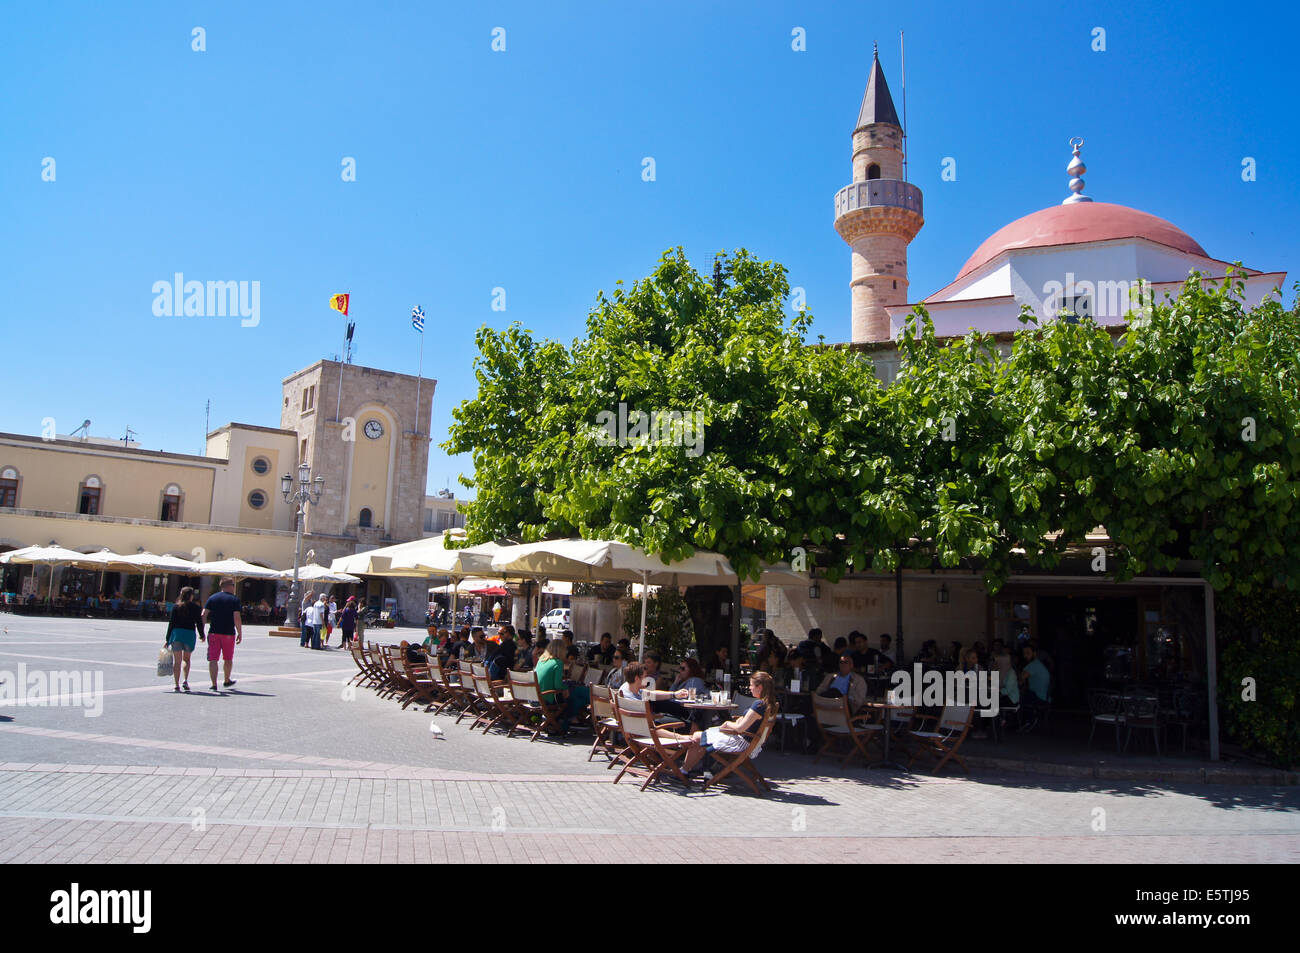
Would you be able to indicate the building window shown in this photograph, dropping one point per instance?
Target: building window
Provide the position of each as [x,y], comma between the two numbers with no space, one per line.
[873,171]
[450,519]
[171,505]
[1076,307]
[8,487]
[257,499]
[309,398]
[302,452]
[91,492]
[365,518]
[261,465]
[428,521]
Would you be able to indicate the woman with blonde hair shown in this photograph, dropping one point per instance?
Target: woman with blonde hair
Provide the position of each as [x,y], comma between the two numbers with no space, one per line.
[184,628]
[730,737]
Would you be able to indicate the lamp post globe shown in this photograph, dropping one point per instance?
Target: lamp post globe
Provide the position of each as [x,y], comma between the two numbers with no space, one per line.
[308,491]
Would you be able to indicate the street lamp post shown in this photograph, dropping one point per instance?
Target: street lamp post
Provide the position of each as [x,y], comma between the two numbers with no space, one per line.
[307,491]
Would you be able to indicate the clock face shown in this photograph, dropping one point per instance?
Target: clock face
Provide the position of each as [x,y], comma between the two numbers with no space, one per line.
[374,429]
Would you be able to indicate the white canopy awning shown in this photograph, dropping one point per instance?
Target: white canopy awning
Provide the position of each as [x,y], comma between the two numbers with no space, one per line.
[317,573]
[236,569]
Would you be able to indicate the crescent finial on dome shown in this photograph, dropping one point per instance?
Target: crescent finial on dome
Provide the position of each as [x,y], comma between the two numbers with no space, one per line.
[1075,171]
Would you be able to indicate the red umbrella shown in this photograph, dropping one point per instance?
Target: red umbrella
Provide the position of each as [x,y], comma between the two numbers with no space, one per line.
[490,591]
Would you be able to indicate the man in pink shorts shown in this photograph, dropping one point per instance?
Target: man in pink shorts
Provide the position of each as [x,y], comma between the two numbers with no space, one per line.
[225,629]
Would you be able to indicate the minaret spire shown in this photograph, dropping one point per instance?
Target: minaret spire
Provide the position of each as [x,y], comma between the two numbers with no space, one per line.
[877,104]
[879,213]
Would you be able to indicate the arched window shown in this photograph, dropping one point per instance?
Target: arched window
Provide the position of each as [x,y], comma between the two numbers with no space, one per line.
[873,171]
[171,504]
[8,487]
[365,517]
[91,493]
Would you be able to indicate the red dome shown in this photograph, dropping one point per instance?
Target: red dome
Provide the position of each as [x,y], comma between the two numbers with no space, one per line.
[1077,223]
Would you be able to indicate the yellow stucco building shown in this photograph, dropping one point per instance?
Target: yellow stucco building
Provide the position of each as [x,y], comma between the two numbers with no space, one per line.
[359,428]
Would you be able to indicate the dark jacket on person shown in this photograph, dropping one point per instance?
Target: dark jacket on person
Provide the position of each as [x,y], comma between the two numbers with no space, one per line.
[186,615]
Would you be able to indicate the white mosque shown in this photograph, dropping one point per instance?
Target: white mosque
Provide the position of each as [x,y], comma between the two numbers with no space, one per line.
[1081,256]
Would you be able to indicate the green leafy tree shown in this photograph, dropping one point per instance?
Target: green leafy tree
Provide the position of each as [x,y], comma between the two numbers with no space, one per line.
[1260,674]
[1182,438]
[780,459]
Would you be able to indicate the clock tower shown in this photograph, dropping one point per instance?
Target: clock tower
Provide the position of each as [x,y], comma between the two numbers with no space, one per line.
[361,430]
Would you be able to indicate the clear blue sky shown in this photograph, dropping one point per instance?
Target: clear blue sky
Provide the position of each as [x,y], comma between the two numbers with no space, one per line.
[522,169]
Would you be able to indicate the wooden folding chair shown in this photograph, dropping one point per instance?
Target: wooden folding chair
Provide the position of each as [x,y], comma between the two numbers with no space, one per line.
[502,707]
[423,689]
[839,725]
[443,695]
[389,685]
[531,701]
[379,674]
[741,763]
[649,754]
[953,725]
[365,676]
[604,722]
[395,661]
[484,707]
[460,689]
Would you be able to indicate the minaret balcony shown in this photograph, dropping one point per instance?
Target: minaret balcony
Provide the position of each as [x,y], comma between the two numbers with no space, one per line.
[878,193]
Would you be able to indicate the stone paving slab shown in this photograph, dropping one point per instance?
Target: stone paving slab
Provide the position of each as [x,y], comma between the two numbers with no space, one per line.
[24,841]
[293,768]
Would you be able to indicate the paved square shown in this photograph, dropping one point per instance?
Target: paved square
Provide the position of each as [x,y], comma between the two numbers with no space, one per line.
[292,766]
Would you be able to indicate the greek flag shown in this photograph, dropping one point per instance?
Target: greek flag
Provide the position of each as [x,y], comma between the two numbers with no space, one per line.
[417,318]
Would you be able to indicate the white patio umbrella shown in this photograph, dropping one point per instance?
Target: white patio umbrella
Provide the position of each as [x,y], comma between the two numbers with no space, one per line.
[103,560]
[234,568]
[318,573]
[609,560]
[163,564]
[465,585]
[380,562]
[417,559]
[431,557]
[42,556]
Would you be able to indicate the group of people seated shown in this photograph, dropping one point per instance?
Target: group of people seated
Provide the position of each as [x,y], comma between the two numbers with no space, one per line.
[561,669]
[845,668]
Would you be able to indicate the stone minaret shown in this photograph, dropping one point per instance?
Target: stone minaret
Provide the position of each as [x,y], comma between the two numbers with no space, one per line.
[879,214]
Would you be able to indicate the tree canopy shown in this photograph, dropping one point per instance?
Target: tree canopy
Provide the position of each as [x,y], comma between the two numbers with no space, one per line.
[1181,436]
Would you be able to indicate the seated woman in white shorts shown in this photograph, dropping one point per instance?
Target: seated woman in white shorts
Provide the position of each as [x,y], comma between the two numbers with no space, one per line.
[730,737]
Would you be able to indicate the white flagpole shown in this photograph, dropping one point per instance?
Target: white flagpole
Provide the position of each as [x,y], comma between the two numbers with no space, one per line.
[419,377]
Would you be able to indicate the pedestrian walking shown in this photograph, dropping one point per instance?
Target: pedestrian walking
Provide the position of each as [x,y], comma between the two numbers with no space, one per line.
[184,626]
[304,617]
[225,629]
[332,619]
[319,612]
[348,620]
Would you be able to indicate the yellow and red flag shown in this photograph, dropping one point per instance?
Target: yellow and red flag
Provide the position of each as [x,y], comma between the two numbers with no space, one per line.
[340,303]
